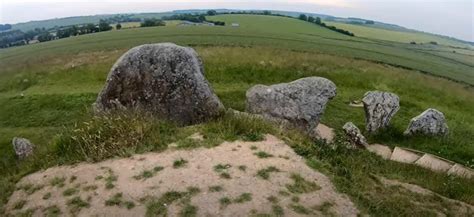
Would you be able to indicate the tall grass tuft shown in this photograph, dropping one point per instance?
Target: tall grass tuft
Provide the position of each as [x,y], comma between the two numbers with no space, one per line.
[108,135]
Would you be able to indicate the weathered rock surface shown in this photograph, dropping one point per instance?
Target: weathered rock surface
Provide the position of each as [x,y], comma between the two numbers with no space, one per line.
[430,122]
[354,135]
[379,108]
[301,102]
[23,147]
[164,79]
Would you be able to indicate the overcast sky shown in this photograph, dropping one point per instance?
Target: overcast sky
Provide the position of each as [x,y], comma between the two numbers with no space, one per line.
[448,17]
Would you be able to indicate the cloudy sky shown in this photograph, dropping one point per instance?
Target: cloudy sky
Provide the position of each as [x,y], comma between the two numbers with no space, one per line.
[448,17]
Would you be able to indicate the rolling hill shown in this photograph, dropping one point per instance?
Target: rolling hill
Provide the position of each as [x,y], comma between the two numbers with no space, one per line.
[46,92]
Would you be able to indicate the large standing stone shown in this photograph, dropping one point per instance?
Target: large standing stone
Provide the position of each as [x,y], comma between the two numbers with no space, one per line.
[23,147]
[165,79]
[301,102]
[430,122]
[379,108]
[355,136]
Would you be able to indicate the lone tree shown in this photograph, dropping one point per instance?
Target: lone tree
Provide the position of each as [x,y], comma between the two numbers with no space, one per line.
[303,17]
[311,19]
[211,12]
[118,26]
[267,12]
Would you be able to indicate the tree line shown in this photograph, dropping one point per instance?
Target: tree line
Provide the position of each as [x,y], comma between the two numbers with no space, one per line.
[318,21]
[195,18]
[18,37]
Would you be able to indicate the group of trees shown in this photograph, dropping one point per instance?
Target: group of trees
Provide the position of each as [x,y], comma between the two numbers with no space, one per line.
[12,38]
[17,37]
[122,18]
[318,21]
[4,27]
[195,18]
[152,22]
[68,31]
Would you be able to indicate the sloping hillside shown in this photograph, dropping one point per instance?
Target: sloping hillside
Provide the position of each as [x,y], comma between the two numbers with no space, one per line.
[277,32]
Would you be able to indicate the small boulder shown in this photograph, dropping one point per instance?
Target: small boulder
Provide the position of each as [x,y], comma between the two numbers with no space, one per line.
[23,147]
[301,102]
[430,122]
[164,79]
[354,135]
[379,108]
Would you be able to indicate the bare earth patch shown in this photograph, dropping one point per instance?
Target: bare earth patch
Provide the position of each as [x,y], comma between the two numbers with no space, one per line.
[221,181]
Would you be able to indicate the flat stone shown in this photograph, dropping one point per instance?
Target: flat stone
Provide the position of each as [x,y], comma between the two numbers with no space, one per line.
[434,163]
[404,155]
[460,170]
[324,132]
[381,150]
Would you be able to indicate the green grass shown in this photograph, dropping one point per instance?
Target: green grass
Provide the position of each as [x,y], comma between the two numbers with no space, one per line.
[19,204]
[262,154]
[146,174]
[265,173]
[224,202]
[70,191]
[367,31]
[47,196]
[30,188]
[57,182]
[275,32]
[221,167]
[76,204]
[158,206]
[244,197]
[300,209]
[60,80]
[180,163]
[117,200]
[301,186]
[52,211]
[216,188]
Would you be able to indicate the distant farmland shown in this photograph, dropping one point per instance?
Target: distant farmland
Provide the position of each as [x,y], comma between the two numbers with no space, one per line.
[270,31]
[398,36]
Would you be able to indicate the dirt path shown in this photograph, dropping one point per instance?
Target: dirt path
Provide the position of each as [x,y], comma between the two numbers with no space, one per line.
[233,179]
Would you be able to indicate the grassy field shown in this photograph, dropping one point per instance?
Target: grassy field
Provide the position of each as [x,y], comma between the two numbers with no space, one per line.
[397,36]
[48,88]
[262,31]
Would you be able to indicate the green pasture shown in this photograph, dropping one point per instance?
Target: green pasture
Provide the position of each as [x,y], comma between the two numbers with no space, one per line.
[47,89]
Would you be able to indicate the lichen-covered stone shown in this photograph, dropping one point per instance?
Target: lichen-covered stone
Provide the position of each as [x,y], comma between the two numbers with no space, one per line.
[379,108]
[430,122]
[354,135]
[164,79]
[23,147]
[301,102]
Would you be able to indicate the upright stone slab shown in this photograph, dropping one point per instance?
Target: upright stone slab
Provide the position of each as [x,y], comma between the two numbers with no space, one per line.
[430,122]
[164,79]
[301,102]
[355,136]
[379,108]
[23,147]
